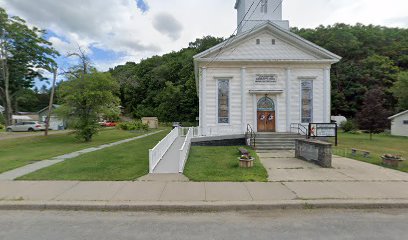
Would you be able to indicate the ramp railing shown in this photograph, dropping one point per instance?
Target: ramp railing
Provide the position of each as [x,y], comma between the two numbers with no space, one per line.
[156,154]
[185,149]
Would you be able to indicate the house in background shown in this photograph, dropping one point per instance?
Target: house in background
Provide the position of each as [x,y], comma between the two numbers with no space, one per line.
[24,116]
[399,124]
[266,76]
[56,123]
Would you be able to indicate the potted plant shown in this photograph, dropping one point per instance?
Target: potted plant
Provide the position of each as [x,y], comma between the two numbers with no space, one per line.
[246,161]
[392,160]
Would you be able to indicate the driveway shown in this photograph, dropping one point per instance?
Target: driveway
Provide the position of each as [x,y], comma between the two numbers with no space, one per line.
[282,166]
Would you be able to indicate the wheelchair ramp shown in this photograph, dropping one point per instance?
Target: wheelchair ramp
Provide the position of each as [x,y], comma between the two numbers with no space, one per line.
[170,161]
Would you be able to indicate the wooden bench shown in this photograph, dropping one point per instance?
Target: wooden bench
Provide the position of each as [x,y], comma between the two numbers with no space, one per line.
[243,151]
[355,152]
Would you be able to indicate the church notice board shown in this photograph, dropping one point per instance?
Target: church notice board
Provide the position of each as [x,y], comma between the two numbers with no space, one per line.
[323,130]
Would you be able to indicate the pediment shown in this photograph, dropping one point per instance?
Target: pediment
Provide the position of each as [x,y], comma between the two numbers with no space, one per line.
[268,42]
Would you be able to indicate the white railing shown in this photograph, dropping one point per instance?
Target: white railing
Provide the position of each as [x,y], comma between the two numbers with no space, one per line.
[185,149]
[156,154]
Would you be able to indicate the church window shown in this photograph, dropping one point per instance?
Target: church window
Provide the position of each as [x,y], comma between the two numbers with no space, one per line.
[264,6]
[223,101]
[258,41]
[307,101]
[273,41]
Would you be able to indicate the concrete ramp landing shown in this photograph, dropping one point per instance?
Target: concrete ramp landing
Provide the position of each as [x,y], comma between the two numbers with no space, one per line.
[170,160]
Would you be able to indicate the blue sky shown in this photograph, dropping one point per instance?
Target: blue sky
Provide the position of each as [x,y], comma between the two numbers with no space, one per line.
[142,5]
[116,31]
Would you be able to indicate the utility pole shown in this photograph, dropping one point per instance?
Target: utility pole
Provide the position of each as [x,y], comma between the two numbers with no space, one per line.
[47,123]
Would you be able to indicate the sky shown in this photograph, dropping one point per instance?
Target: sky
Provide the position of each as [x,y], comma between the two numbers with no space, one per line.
[113,32]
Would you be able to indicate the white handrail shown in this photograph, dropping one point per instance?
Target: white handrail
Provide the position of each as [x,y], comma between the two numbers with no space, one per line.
[185,149]
[156,154]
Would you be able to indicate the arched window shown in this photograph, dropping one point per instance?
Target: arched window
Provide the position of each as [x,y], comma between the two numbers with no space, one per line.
[266,104]
[264,6]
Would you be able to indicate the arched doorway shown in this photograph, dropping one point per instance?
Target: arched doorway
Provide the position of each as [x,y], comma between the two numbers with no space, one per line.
[266,115]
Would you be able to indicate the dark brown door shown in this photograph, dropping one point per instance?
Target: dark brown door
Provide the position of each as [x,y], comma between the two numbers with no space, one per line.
[266,121]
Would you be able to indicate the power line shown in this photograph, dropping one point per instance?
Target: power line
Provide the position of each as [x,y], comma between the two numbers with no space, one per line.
[222,48]
[260,23]
[231,37]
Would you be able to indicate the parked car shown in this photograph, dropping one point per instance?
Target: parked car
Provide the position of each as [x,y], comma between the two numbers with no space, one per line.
[29,126]
[110,124]
[176,124]
[107,124]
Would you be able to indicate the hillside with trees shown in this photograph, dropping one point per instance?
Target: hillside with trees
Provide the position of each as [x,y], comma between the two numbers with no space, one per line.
[163,86]
[373,58]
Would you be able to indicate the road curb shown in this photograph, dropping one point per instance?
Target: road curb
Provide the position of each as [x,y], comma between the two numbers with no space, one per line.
[203,206]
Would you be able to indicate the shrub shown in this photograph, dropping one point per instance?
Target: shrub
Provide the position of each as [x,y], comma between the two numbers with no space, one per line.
[1,127]
[133,126]
[2,120]
[348,126]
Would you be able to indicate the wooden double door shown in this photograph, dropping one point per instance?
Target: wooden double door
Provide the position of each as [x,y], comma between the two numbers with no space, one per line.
[266,121]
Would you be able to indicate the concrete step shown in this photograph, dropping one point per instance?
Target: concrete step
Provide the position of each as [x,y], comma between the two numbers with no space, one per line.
[271,140]
[276,141]
[275,146]
[279,136]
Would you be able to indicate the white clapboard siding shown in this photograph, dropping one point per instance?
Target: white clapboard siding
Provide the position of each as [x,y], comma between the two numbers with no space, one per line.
[249,49]
[312,71]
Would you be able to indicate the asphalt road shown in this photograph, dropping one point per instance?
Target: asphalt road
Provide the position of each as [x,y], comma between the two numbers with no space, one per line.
[282,224]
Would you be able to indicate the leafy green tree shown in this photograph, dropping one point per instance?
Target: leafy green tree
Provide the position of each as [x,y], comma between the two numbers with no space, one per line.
[163,86]
[372,57]
[400,90]
[23,53]
[373,117]
[86,99]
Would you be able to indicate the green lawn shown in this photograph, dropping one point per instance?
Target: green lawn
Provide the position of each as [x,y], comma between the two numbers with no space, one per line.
[15,153]
[124,162]
[380,145]
[221,164]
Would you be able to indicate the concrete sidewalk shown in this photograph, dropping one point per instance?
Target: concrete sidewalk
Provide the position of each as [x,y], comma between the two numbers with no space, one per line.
[195,195]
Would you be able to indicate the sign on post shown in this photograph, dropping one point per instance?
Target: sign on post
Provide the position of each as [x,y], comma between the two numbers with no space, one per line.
[323,130]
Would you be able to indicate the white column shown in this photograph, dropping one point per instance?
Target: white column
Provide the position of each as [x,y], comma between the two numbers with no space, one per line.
[254,104]
[288,98]
[203,101]
[243,99]
[326,95]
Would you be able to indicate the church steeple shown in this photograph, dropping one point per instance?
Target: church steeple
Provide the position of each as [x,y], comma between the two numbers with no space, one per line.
[259,11]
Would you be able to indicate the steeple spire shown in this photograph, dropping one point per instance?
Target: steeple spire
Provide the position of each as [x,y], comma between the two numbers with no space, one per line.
[256,12]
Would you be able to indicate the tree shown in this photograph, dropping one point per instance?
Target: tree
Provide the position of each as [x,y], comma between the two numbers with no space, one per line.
[373,116]
[23,53]
[86,99]
[400,91]
[163,86]
[372,57]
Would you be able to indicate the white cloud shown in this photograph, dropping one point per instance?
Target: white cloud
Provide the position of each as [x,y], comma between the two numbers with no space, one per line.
[166,24]
[119,26]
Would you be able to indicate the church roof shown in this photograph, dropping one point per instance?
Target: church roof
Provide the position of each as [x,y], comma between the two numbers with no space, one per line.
[320,54]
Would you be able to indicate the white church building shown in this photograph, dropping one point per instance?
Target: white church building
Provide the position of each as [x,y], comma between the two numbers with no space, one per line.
[266,76]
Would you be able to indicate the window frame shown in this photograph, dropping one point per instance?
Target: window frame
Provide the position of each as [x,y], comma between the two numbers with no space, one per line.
[311,101]
[264,6]
[228,80]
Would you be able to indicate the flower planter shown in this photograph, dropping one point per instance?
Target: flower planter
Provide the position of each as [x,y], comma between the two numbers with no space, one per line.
[392,161]
[246,163]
